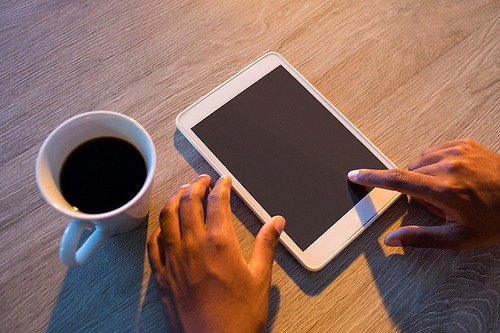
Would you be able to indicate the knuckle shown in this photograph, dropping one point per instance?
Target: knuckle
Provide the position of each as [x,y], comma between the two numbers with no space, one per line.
[453,165]
[464,146]
[455,190]
[367,174]
[396,176]
[191,248]
[460,150]
[459,236]
[187,198]
[269,242]
[218,197]
[420,240]
[444,188]
[218,242]
[467,141]
[168,210]
[161,280]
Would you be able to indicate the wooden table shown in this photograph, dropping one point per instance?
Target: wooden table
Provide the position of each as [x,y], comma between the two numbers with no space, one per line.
[409,74]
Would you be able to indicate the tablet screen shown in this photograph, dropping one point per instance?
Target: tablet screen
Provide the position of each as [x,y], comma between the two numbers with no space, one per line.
[289,152]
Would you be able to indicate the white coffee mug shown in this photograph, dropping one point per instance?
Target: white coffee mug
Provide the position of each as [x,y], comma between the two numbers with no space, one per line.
[58,145]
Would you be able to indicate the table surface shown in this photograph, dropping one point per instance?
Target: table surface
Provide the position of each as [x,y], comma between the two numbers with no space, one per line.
[409,74]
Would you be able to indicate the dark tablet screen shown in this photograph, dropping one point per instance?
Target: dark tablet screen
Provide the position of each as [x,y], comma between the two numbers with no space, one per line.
[289,152]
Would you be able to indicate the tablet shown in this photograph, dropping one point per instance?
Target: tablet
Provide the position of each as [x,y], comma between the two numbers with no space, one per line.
[288,152]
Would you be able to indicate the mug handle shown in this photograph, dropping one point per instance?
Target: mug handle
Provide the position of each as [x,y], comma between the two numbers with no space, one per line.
[68,251]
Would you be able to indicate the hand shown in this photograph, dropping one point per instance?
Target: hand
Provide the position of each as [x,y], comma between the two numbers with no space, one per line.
[204,283]
[456,180]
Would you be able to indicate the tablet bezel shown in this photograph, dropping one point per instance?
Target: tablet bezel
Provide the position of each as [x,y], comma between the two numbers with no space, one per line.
[343,231]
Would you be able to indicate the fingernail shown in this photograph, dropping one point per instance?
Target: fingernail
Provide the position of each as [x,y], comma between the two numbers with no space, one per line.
[279,224]
[186,185]
[353,174]
[202,175]
[393,242]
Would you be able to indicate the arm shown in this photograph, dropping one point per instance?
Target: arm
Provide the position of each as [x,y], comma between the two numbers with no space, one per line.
[204,283]
[456,180]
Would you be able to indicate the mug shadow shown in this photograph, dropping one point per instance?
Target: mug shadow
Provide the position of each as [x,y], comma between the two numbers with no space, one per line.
[105,292]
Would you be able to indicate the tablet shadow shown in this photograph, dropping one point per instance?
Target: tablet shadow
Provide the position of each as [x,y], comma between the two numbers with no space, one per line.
[104,293]
[311,283]
[356,191]
[421,289]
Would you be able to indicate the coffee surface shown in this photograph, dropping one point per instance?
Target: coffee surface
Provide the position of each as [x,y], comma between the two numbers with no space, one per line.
[102,174]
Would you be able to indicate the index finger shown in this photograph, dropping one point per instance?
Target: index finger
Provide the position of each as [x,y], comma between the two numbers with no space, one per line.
[407,182]
[192,220]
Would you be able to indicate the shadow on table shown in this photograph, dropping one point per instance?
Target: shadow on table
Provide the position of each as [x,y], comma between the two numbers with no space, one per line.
[311,283]
[434,289]
[104,294]
[421,289]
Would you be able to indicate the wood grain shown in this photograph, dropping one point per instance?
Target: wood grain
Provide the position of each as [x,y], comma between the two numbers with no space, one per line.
[408,74]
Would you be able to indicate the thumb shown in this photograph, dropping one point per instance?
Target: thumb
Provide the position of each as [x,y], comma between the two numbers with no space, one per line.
[262,255]
[447,236]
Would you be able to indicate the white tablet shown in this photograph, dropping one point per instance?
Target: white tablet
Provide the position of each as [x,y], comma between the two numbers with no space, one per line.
[288,151]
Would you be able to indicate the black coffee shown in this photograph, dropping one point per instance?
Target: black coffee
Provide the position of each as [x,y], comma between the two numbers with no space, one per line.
[102,174]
